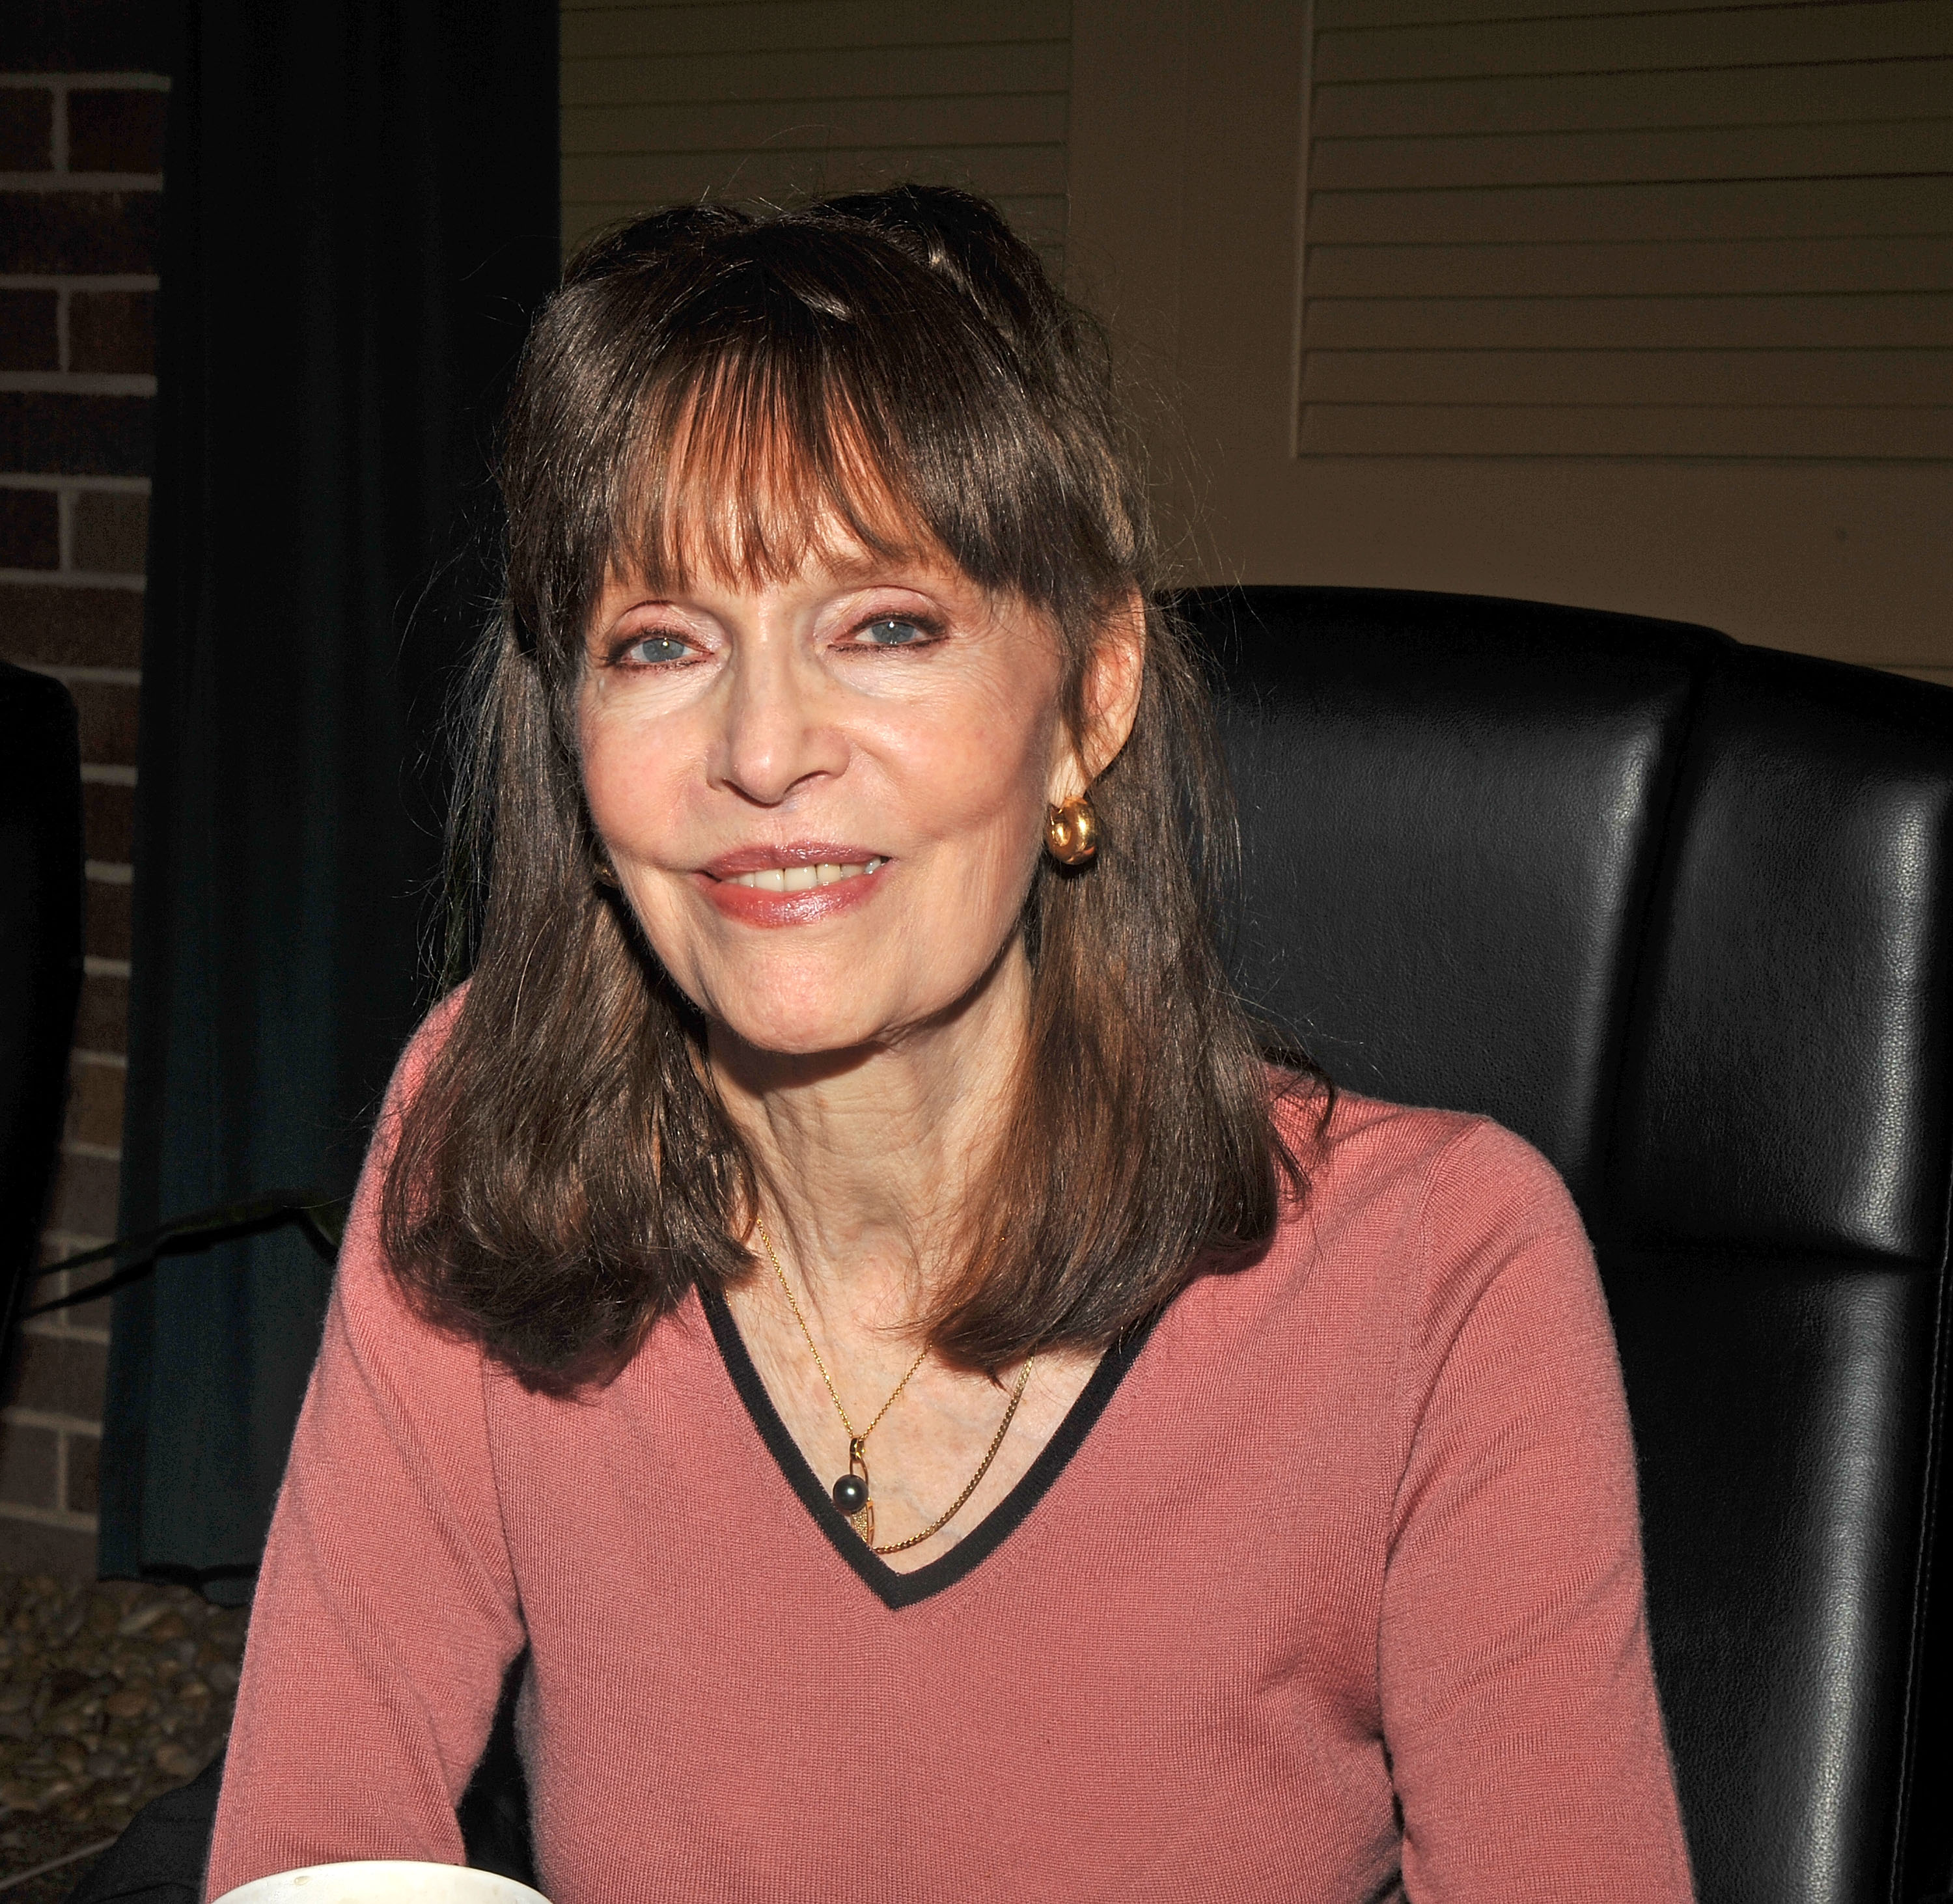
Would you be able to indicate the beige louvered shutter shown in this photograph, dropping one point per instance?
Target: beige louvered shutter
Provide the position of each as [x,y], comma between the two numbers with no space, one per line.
[1725,231]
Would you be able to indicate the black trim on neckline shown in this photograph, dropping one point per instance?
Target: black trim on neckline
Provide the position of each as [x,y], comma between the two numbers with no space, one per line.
[893,1588]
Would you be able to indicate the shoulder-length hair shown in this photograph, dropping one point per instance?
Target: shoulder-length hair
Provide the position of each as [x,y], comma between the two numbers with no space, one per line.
[708,389]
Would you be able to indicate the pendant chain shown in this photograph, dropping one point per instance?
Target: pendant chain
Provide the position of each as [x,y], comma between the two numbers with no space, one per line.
[863,1521]
[787,1290]
[996,1441]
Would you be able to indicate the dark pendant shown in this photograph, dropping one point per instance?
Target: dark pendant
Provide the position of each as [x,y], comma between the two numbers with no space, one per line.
[851,1495]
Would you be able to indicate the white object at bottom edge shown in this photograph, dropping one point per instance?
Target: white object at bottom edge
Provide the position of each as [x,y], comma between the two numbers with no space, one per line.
[383,1880]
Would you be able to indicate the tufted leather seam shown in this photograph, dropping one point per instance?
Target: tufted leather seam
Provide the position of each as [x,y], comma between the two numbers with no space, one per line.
[1669,827]
[1920,1656]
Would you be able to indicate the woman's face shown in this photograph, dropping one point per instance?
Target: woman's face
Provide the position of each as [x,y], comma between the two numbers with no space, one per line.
[824,798]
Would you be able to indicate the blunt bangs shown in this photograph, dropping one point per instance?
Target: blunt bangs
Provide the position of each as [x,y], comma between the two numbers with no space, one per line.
[745,474]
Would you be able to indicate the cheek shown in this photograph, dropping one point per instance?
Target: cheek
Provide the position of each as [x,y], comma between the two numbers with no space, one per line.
[988,796]
[982,769]
[605,790]
[633,780]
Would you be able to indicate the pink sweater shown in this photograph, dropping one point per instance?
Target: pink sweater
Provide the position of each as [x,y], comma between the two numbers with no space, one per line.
[1329,1590]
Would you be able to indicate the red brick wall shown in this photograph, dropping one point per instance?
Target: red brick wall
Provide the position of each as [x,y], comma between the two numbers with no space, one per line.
[80,180]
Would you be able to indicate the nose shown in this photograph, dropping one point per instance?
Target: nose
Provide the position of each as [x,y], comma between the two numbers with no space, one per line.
[777,730]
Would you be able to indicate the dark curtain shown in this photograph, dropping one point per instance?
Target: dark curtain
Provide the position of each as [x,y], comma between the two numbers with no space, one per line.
[360,217]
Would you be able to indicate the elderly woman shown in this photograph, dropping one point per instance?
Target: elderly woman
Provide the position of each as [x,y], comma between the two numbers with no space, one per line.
[839,1289]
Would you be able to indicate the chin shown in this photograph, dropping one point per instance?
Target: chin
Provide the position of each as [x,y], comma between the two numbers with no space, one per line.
[811,1001]
[798,1012]
[803,1035]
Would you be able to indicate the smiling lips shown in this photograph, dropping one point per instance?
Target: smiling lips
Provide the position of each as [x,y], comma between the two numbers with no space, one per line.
[803,878]
[791,885]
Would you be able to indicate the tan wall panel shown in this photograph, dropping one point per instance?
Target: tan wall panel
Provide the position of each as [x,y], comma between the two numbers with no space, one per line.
[1040,221]
[1825,559]
[1739,266]
[774,100]
[1573,158]
[1027,120]
[1556,102]
[665,178]
[1917,320]
[746,27]
[854,73]
[1870,29]
[1720,377]
[1488,430]
[1767,208]
[1420,13]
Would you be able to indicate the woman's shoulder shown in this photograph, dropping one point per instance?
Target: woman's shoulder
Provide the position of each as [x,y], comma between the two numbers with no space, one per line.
[1455,1190]
[1414,1219]
[367,1291]
[424,1044]
[1347,1139]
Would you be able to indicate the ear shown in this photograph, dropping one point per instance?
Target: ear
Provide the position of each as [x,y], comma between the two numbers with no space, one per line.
[1111,693]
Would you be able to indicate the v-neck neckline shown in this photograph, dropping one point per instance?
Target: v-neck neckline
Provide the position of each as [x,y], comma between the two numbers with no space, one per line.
[895,1589]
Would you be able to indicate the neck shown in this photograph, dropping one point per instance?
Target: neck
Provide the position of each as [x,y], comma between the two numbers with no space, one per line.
[865,1156]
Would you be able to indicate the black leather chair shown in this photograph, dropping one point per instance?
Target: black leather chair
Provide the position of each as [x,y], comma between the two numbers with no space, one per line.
[1680,911]
[40,956]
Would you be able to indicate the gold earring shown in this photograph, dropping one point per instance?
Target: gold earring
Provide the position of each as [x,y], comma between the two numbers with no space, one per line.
[601,869]
[1071,831]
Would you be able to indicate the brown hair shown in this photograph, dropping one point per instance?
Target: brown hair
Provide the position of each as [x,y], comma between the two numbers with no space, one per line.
[708,388]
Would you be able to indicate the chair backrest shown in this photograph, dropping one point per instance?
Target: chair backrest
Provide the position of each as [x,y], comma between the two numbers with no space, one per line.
[1680,912]
[40,953]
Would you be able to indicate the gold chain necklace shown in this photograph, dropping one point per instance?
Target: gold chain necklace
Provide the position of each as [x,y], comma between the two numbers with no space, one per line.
[851,1494]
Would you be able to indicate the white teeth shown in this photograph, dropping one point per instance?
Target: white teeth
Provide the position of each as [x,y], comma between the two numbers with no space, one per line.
[785,879]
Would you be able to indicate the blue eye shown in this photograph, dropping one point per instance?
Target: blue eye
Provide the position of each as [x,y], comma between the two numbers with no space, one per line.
[654,648]
[892,632]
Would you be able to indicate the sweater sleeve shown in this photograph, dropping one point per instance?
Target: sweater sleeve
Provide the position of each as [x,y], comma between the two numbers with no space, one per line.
[386,1612]
[1518,1692]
